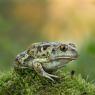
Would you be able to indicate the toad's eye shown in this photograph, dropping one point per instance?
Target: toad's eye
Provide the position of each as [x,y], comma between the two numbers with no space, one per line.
[63,48]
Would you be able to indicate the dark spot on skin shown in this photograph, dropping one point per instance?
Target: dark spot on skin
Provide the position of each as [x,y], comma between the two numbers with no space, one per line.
[28,51]
[29,58]
[47,53]
[43,55]
[39,48]
[63,48]
[17,61]
[45,47]
[22,55]
[53,50]
[33,46]
[24,63]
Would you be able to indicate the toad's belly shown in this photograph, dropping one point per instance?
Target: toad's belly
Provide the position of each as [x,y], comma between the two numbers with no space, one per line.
[54,65]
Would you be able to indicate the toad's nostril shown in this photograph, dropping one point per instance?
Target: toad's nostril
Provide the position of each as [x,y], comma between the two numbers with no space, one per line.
[73,45]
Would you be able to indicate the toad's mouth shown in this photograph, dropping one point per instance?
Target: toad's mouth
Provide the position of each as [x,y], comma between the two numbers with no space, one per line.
[65,58]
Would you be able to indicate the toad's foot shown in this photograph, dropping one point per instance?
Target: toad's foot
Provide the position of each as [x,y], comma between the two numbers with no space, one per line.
[39,69]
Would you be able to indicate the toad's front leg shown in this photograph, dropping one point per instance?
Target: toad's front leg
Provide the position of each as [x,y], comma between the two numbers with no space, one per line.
[40,71]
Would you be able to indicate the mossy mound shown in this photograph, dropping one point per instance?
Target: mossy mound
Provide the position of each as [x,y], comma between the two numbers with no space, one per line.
[27,82]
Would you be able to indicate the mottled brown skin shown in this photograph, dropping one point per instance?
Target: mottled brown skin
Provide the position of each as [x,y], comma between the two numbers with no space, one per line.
[46,56]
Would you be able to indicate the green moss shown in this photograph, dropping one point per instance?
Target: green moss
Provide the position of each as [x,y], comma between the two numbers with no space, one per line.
[27,82]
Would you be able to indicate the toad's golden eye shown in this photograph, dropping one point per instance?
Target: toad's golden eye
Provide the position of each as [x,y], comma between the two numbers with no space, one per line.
[63,48]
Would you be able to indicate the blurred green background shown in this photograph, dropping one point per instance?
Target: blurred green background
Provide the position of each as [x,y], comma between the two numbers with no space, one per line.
[24,22]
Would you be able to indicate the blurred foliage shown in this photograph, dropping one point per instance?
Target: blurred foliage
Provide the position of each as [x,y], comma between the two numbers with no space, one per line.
[86,61]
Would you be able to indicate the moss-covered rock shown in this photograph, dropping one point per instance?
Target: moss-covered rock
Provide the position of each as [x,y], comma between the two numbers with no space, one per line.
[27,82]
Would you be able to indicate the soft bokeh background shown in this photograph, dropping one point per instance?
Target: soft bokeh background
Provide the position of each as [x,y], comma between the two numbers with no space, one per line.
[23,22]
